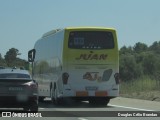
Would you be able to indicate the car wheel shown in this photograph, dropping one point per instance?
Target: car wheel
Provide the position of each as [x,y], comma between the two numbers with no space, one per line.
[34,107]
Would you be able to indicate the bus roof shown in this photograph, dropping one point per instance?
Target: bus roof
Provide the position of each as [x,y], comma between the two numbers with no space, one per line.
[69,28]
[50,32]
[74,28]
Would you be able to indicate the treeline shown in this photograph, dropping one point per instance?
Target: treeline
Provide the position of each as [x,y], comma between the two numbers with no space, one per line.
[140,60]
[135,61]
[11,59]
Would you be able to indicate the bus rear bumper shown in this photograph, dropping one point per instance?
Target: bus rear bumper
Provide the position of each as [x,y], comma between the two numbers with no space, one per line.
[101,93]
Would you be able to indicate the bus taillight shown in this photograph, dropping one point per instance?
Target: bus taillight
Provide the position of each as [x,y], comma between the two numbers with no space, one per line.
[116,76]
[65,77]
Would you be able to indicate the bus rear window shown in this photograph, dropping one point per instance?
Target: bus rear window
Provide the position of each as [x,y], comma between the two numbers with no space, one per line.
[91,40]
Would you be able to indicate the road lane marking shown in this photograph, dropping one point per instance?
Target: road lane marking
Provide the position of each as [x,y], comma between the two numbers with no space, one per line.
[82,119]
[130,108]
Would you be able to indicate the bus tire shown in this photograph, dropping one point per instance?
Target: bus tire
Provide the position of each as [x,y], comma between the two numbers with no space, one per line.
[52,95]
[55,96]
[57,101]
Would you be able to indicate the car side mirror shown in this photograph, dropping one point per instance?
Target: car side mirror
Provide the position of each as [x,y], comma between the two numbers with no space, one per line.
[35,82]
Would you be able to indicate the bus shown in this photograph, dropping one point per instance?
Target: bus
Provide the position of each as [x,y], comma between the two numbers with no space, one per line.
[80,63]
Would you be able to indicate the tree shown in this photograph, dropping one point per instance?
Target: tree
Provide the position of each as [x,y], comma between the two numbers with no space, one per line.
[2,61]
[1,57]
[140,47]
[129,69]
[150,62]
[155,47]
[126,50]
[140,60]
[11,56]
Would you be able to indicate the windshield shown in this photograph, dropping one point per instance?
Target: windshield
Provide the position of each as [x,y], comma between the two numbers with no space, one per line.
[14,75]
[91,40]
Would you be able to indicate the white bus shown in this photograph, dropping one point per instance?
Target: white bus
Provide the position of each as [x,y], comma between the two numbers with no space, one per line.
[77,62]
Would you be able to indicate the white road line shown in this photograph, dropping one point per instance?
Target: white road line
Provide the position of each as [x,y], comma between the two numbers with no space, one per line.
[131,108]
[82,119]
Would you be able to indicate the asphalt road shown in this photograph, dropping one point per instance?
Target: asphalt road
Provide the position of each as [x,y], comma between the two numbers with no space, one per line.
[118,108]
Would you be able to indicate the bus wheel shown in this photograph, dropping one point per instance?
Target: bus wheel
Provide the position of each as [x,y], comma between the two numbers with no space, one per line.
[55,96]
[57,101]
[52,95]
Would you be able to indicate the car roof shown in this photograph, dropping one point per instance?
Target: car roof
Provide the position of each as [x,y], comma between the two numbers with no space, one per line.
[13,70]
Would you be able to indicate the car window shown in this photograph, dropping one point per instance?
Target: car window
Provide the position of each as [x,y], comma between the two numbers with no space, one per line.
[14,75]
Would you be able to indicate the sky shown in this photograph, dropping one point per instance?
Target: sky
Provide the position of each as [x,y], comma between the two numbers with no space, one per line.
[23,22]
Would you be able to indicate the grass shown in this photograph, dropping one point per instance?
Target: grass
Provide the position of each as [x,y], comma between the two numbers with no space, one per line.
[143,88]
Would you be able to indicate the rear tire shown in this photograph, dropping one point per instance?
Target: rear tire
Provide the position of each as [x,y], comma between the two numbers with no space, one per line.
[57,101]
[52,96]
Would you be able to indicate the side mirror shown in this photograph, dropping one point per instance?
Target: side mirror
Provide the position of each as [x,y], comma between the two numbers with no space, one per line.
[31,55]
[35,82]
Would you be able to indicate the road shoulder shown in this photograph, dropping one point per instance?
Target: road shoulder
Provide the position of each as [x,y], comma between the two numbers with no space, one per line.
[136,103]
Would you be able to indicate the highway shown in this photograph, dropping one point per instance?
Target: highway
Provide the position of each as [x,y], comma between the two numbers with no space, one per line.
[118,108]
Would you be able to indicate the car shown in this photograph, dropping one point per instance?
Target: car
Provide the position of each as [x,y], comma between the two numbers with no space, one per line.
[18,89]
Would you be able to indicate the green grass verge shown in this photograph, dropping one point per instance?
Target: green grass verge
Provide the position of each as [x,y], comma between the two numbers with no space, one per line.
[143,88]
